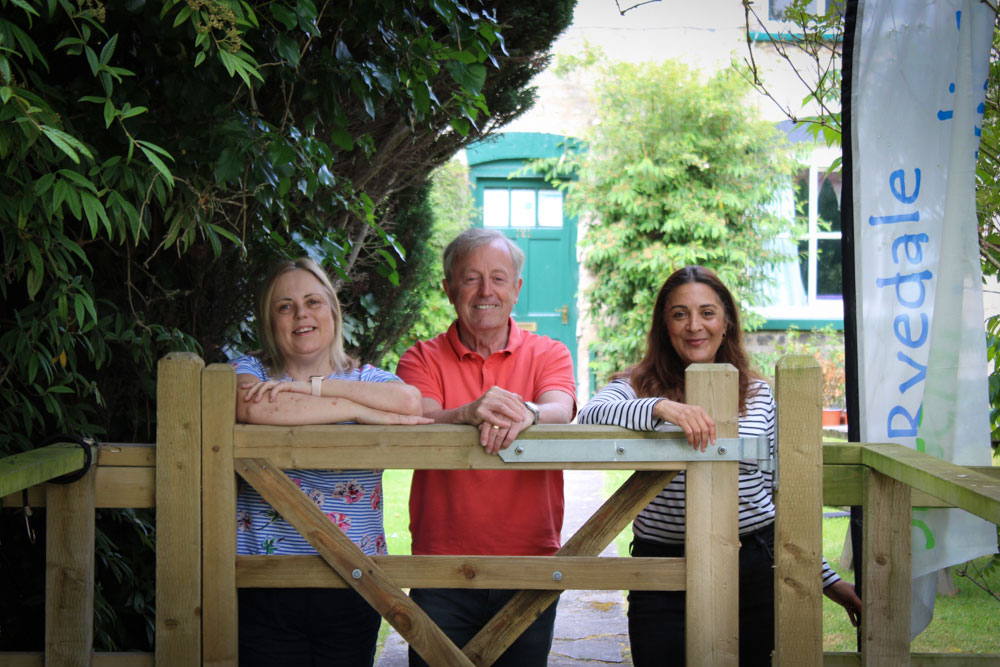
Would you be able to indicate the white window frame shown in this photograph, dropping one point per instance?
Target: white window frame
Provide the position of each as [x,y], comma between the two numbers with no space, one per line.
[814,235]
[813,308]
[779,27]
[537,208]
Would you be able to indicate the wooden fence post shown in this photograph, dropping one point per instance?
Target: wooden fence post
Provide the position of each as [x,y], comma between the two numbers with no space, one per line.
[69,571]
[178,509]
[711,546]
[798,535]
[218,520]
[885,616]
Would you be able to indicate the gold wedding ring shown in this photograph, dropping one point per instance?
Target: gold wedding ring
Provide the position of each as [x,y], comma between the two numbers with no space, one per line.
[495,426]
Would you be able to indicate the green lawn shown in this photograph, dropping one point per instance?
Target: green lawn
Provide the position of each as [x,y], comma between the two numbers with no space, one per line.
[966,623]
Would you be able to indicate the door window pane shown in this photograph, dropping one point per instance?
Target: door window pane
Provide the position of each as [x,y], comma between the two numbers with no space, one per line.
[496,207]
[522,208]
[550,208]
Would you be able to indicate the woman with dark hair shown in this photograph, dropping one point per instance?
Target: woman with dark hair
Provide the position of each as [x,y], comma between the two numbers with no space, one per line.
[696,321]
[303,376]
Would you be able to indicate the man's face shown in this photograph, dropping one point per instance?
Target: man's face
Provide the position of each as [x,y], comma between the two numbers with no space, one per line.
[484,289]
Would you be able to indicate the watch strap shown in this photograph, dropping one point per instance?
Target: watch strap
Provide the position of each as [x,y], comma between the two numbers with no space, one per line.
[534,411]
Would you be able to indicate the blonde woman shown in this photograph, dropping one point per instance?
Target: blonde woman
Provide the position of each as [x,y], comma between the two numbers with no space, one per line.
[303,376]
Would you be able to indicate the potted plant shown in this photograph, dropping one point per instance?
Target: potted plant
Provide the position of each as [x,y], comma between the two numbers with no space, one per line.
[831,363]
[825,345]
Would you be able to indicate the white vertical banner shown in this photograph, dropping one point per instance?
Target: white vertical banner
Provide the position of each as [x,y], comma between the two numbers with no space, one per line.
[917,98]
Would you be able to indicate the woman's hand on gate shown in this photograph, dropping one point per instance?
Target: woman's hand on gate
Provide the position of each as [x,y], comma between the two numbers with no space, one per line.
[842,592]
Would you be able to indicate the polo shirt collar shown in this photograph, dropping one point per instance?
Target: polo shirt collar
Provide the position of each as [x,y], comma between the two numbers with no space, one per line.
[514,340]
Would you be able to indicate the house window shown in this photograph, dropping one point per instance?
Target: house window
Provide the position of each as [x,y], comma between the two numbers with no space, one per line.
[817,205]
[776,8]
[522,207]
[775,25]
[807,288]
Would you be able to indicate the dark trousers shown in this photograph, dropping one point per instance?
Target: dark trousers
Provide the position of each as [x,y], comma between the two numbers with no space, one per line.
[306,627]
[461,613]
[656,618]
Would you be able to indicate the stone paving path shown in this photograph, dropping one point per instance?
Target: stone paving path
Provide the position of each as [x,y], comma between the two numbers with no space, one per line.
[591,628]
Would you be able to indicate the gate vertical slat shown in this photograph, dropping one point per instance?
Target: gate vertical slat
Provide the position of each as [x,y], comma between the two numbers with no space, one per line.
[798,543]
[885,616]
[69,572]
[178,510]
[218,497]
[711,547]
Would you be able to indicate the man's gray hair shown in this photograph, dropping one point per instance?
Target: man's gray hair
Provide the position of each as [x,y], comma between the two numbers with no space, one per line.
[477,237]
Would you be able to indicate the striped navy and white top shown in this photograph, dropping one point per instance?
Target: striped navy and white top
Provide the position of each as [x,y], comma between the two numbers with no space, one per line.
[662,520]
[352,499]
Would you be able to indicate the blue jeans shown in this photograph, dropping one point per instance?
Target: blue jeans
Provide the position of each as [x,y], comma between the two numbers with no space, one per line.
[656,618]
[461,613]
[303,627]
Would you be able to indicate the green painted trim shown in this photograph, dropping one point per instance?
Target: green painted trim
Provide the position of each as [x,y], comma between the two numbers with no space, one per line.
[801,325]
[26,469]
[518,146]
[972,491]
[782,36]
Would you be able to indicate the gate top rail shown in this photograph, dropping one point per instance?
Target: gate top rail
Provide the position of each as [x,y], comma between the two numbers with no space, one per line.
[36,466]
[973,489]
[456,447]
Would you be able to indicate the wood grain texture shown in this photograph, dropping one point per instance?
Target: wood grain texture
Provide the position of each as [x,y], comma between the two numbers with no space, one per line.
[131,454]
[885,614]
[121,487]
[510,572]
[798,540]
[178,519]
[69,573]
[711,546]
[974,492]
[432,446]
[27,469]
[218,519]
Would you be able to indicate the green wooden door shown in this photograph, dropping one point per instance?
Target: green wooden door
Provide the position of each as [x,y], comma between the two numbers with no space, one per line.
[531,213]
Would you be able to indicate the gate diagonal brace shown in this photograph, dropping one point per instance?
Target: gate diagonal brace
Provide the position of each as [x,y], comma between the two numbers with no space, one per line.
[756,449]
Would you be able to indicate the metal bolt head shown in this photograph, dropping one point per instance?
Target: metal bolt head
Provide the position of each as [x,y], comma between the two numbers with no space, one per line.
[620,450]
[722,449]
[557,576]
[519,450]
[356,573]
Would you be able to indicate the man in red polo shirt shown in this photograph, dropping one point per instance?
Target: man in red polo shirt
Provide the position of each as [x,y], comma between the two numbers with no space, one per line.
[487,372]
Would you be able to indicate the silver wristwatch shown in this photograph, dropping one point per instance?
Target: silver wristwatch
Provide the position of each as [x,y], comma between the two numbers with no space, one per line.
[534,411]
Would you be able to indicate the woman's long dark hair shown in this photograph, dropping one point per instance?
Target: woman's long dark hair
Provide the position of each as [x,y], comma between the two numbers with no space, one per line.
[661,371]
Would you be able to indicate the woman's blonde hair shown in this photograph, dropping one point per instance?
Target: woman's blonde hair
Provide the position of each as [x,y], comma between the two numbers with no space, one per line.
[270,355]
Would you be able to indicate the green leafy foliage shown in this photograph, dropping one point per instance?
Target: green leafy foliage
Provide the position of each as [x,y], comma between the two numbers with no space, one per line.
[812,49]
[450,209]
[157,157]
[677,172]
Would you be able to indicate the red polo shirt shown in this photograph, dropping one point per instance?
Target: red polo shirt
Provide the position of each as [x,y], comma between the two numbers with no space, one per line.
[486,512]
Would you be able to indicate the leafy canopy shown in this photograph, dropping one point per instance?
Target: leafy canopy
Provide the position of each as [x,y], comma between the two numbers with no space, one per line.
[157,156]
[678,171]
